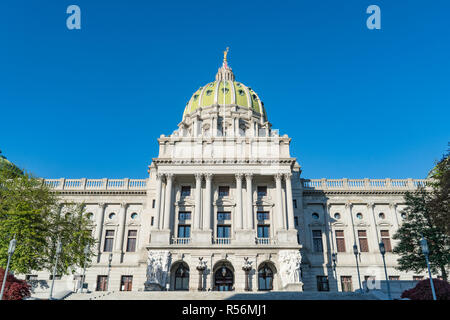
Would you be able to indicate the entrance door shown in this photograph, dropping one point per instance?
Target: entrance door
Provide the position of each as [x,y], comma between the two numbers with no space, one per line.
[126,283]
[102,283]
[224,279]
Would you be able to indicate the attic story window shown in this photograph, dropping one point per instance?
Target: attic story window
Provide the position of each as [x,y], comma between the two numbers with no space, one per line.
[208,92]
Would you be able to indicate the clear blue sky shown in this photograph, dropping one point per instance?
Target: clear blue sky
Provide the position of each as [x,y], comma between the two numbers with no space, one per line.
[356,102]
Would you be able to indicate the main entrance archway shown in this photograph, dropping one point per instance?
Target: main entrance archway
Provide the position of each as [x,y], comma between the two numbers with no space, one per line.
[224,277]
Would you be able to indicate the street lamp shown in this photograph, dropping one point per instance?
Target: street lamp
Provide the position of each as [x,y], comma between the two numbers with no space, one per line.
[110,257]
[11,249]
[426,252]
[355,252]
[86,252]
[383,251]
[58,251]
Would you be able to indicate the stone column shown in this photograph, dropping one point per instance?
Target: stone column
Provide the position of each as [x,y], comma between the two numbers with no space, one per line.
[290,202]
[370,208]
[168,206]
[239,217]
[279,207]
[198,204]
[158,200]
[207,212]
[348,207]
[99,228]
[248,222]
[122,222]
[393,207]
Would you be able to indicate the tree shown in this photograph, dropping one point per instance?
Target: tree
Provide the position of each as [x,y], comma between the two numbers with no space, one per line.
[37,217]
[440,202]
[419,221]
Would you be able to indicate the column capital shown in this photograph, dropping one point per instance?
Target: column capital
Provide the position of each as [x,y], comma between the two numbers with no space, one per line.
[278,176]
[124,204]
[198,176]
[249,176]
[208,176]
[287,175]
[239,176]
[392,205]
[159,175]
[348,205]
[102,205]
[370,205]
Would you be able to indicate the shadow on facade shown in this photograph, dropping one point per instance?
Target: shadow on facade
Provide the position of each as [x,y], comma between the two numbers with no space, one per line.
[316,264]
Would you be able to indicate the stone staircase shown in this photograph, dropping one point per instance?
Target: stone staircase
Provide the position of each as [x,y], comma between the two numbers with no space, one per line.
[214,295]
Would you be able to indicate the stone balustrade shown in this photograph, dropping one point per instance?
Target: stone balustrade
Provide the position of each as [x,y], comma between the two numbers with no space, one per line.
[363,184]
[97,184]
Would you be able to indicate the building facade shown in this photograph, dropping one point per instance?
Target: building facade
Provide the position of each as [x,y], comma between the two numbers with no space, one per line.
[225,208]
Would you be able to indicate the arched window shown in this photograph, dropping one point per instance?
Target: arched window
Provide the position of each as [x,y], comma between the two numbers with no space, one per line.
[182,278]
[265,278]
[223,279]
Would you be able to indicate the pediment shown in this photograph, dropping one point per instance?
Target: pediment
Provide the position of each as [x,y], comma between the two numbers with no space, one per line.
[362,224]
[224,202]
[339,224]
[185,203]
[263,202]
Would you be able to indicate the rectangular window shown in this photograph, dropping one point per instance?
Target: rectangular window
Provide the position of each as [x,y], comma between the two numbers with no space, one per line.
[185,191]
[153,220]
[417,278]
[109,240]
[317,240]
[296,221]
[394,277]
[153,203]
[295,204]
[340,241]
[262,191]
[126,283]
[102,283]
[184,215]
[346,283]
[262,215]
[131,242]
[322,283]
[223,231]
[30,277]
[386,240]
[263,231]
[184,231]
[224,191]
[363,243]
[222,216]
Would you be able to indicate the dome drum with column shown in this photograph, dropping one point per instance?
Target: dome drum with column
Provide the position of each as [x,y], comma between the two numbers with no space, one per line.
[225,100]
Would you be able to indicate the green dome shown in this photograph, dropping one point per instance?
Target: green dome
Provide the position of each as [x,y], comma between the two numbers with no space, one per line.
[225,90]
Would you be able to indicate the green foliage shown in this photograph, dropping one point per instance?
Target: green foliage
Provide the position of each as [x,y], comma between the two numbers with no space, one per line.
[34,215]
[419,222]
[440,202]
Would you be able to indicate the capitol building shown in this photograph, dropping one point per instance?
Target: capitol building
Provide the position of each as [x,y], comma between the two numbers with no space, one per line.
[225,208]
